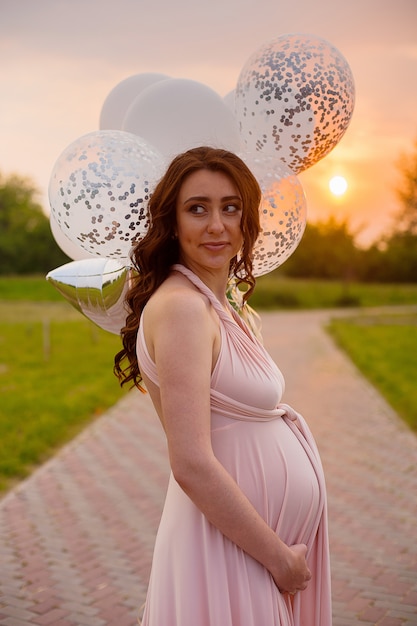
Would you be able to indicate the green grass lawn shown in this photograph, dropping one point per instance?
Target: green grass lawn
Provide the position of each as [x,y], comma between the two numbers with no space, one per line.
[55,377]
[276,292]
[273,291]
[56,366]
[29,288]
[384,348]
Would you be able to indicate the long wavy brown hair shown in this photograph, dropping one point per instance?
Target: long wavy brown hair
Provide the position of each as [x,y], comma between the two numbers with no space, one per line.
[153,256]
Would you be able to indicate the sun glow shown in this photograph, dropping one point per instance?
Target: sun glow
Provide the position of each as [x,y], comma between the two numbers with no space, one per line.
[338,185]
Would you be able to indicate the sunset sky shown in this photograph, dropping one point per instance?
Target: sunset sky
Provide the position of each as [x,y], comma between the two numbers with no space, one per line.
[61,58]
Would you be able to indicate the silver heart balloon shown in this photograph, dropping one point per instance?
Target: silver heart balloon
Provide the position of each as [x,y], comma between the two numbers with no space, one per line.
[96,288]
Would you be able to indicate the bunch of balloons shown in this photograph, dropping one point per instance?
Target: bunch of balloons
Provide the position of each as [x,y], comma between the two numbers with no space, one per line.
[292,104]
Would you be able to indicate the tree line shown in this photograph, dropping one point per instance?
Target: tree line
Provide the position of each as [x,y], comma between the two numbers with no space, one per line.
[327,249]
[26,242]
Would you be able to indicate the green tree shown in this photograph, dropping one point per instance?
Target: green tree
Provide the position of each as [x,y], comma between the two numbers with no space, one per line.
[26,242]
[401,258]
[407,193]
[400,247]
[371,264]
[327,250]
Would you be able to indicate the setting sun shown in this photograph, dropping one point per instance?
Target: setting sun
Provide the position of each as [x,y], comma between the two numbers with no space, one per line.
[338,185]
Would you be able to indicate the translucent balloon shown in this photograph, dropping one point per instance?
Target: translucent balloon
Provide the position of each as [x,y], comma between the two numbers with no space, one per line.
[96,288]
[283,212]
[99,189]
[178,114]
[295,97]
[73,251]
[121,97]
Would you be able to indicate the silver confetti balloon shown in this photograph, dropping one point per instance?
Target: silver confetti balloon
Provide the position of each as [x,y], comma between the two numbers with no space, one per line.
[99,189]
[282,213]
[96,288]
[295,97]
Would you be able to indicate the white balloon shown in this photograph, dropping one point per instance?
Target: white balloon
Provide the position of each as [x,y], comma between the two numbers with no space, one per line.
[229,99]
[99,190]
[96,288]
[283,212]
[178,114]
[121,97]
[295,97]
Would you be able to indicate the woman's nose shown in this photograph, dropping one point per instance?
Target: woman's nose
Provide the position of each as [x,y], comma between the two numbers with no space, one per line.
[215,224]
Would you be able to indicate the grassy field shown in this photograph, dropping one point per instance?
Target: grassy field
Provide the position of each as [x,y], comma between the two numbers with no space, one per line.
[55,377]
[28,288]
[56,366]
[384,348]
[276,292]
[272,292]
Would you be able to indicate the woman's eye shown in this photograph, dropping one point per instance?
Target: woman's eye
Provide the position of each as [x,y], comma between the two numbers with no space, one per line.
[197,209]
[231,208]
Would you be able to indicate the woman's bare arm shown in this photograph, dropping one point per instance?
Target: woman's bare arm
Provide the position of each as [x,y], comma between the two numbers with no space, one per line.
[181,338]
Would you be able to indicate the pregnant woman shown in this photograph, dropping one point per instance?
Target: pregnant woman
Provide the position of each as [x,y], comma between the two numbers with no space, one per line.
[243,535]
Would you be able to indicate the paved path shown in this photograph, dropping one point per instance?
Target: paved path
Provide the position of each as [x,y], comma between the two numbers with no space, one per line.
[76,538]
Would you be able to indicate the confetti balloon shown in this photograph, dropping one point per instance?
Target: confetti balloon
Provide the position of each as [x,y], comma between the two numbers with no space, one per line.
[295,97]
[72,250]
[96,288]
[99,189]
[283,212]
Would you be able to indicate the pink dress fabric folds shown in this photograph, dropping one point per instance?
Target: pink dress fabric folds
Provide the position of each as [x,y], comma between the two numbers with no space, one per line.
[199,577]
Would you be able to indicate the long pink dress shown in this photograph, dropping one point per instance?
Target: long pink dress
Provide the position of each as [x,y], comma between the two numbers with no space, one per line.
[199,577]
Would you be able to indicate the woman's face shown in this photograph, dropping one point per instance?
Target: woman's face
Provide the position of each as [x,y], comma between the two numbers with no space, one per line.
[208,213]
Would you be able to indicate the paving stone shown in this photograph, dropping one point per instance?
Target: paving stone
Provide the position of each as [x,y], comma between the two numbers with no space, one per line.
[12,621]
[76,538]
[390,621]
[14,611]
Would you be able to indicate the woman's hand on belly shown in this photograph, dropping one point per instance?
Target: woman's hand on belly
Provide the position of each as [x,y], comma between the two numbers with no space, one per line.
[292,572]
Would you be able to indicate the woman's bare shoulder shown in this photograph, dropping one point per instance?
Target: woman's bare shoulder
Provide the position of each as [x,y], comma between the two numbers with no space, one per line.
[178,319]
[177,298]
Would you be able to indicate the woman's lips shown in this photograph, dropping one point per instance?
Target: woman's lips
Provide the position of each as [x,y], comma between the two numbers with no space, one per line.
[215,245]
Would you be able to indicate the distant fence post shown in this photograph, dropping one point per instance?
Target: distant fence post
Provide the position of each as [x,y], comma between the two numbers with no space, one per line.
[46,339]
